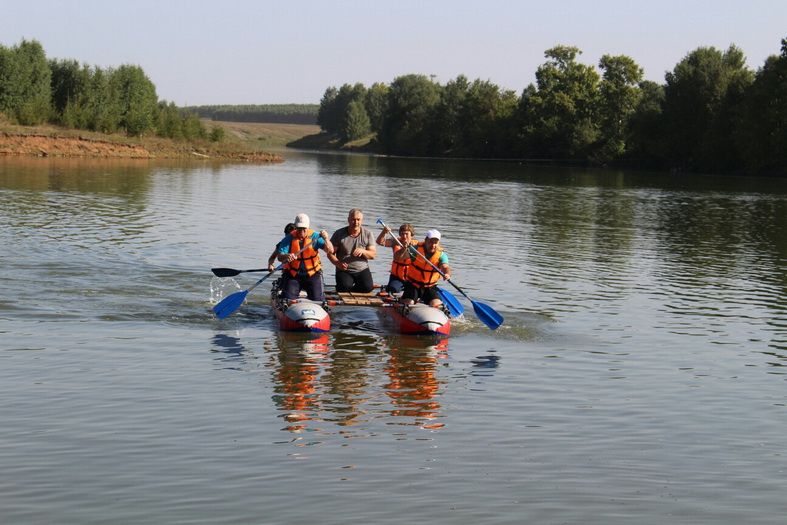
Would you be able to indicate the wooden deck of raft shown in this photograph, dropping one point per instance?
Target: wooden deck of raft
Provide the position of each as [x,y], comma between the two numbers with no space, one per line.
[354,298]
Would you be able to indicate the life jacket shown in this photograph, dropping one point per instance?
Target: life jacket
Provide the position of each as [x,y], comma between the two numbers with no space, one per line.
[399,268]
[420,274]
[309,257]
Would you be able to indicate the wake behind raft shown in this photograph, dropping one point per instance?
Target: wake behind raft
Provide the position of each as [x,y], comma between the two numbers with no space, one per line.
[304,315]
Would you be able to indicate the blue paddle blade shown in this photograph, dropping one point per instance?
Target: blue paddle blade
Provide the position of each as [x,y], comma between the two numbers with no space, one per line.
[229,304]
[455,308]
[488,315]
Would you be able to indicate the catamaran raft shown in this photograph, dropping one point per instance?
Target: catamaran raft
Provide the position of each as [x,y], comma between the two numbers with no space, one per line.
[310,316]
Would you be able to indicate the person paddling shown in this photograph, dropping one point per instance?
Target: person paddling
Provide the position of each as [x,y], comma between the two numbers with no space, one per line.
[422,278]
[303,270]
[398,268]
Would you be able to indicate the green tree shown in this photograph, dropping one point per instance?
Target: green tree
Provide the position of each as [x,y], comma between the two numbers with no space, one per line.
[485,110]
[645,144]
[327,118]
[619,97]
[376,104]
[448,133]
[169,121]
[333,106]
[762,136]
[68,83]
[407,129]
[71,92]
[103,103]
[347,94]
[136,97]
[356,122]
[25,82]
[560,114]
[698,106]
[216,134]
[6,79]
[193,128]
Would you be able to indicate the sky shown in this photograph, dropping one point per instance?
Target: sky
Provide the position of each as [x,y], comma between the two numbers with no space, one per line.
[289,51]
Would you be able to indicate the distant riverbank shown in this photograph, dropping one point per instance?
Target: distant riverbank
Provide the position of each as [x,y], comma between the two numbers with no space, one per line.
[243,143]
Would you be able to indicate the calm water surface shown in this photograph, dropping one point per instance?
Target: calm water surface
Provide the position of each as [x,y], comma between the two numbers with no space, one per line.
[639,376]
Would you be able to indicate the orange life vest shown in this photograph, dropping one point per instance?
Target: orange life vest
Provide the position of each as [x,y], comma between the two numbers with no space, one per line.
[399,268]
[420,273]
[309,257]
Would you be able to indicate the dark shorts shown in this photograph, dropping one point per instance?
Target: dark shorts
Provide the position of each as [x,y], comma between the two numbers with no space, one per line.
[395,285]
[425,295]
[292,286]
[360,282]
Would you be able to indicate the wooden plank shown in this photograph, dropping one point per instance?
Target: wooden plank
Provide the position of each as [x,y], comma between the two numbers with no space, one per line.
[360,299]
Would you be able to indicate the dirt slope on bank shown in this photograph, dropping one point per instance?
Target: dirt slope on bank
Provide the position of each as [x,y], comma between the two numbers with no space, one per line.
[54,145]
[46,146]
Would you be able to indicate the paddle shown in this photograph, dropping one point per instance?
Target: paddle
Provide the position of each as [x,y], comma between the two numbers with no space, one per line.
[485,313]
[229,272]
[233,301]
[455,308]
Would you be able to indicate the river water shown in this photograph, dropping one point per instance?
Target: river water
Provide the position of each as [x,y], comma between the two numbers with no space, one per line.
[639,376]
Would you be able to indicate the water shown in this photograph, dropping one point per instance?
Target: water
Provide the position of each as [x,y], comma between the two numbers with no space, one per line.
[639,375]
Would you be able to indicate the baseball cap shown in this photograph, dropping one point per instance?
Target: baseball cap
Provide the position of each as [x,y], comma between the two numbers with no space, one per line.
[433,234]
[301,220]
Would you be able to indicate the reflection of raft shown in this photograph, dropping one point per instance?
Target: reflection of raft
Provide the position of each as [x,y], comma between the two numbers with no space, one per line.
[418,319]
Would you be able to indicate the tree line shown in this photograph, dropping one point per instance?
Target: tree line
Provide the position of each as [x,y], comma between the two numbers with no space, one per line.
[712,114]
[274,113]
[34,90]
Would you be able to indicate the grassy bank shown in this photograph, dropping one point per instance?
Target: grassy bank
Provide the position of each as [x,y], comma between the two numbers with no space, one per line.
[330,141]
[262,135]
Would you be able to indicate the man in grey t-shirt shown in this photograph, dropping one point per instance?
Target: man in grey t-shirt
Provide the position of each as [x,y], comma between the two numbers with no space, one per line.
[354,247]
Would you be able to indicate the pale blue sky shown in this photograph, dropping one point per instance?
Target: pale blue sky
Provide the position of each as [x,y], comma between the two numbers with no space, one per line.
[271,52]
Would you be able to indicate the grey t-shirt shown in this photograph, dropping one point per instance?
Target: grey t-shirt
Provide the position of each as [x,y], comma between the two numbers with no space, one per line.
[345,244]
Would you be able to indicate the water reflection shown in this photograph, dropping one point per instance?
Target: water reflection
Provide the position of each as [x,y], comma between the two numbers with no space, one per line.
[347,383]
[298,365]
[330,384]
[414,386]
[230,351]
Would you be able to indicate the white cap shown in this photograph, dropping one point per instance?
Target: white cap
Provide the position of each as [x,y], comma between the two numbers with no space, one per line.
[433,234]
[301,221]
